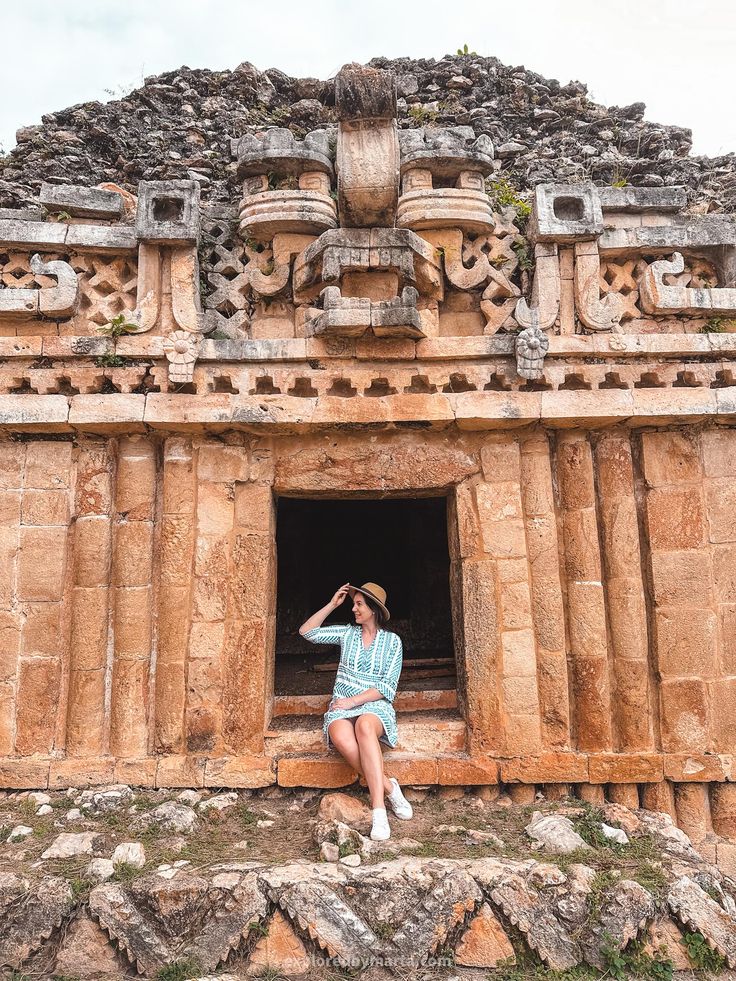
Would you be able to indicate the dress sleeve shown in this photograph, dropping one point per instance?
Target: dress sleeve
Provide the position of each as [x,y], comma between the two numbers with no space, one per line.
[331,634]
[387,684]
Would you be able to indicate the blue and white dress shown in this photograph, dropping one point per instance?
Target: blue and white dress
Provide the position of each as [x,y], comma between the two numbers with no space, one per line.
[378,666]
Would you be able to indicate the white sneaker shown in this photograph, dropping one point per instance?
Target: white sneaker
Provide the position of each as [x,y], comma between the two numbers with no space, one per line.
[399,804]
[380,830]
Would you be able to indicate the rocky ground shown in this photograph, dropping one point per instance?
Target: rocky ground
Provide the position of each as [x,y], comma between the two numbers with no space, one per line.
[110,881]
[179,125]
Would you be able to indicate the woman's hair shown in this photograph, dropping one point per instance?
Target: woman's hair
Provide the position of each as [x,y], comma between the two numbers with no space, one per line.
[379,614]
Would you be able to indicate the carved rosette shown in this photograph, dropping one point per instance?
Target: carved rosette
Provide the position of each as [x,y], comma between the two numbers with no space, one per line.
[181,348]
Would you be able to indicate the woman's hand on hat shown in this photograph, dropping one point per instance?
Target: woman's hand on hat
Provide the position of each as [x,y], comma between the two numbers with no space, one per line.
[339,596]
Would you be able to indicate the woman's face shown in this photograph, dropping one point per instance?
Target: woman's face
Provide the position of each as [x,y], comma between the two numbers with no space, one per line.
[361,611]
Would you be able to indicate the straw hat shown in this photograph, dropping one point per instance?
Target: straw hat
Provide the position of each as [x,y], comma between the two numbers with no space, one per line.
[373,591]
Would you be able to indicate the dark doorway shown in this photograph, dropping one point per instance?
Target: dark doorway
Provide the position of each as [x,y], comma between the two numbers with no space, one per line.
[400,544]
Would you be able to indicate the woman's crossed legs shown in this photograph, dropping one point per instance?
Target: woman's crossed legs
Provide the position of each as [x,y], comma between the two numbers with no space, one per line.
[357,741]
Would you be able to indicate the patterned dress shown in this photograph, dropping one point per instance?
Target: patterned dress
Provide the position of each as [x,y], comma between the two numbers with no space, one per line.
[359,669]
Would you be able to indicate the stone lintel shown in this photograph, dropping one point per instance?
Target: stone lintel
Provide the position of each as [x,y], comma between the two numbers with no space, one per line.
[706,232]
[638,200]
[616,347]
[53,236]
[81,202]
[470,411]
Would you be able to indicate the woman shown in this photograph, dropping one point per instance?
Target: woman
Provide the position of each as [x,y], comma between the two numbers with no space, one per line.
[360,715]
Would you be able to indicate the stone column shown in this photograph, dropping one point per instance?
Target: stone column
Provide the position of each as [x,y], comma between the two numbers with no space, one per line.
[719,466]
[723,809]
[685,624]
[627,613]
[548,612]
[42,562]
[503,539]
[12,460]
[250,629]
[135,494]
[219,466]
[586,619]
[90,597]
[176,556]
[475,625]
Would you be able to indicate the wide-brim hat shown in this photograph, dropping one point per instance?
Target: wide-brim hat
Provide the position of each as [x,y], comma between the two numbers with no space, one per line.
[373,591]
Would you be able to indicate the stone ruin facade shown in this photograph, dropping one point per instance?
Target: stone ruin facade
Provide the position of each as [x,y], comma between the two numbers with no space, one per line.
[365,330]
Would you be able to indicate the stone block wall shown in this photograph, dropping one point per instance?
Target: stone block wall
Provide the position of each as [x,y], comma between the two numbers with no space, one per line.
[592,591]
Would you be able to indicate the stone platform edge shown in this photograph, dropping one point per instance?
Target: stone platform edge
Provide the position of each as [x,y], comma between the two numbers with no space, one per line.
[254,771]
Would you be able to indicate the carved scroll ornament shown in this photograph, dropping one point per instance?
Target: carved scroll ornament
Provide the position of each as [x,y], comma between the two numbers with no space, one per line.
[656,297]
[51,301]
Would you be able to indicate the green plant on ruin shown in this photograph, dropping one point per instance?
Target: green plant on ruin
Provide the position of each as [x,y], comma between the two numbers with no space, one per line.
[258,928]
[524,254]
[651,876]
[118,327]
[718,325]
[62,216]
[80,888]
[179,971]
[462,52]
[503,194]
[602,882]
[588,826]
[421,115]
[632,961]
[704,958]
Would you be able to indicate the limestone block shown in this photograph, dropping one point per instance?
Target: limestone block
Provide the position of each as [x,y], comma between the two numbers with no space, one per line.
[81,202]
[683,715]
[168,212]
[367,148]
[565,213]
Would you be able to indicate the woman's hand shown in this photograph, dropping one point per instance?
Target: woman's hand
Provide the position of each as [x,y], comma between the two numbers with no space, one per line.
[339,596]
[341,703]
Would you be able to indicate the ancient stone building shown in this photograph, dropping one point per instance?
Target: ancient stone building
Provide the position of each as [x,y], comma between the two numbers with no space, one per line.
[529,433]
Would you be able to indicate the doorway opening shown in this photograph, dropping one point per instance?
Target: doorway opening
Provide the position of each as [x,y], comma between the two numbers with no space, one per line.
[400,543]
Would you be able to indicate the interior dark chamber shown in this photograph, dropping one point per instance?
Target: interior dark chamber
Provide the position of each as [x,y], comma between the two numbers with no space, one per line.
[400,544]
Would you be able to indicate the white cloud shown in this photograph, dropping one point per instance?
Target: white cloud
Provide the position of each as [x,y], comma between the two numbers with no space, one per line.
[676,57]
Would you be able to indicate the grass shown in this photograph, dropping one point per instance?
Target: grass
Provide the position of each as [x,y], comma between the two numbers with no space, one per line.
[179,971]
[126,873]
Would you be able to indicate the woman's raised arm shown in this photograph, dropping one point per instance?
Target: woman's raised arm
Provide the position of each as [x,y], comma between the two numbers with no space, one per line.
[318,618]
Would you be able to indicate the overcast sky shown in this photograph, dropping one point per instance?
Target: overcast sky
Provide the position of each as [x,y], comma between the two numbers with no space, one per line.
[677,57]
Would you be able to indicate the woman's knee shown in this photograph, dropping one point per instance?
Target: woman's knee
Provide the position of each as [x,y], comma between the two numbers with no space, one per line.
[341,734]
[365,727]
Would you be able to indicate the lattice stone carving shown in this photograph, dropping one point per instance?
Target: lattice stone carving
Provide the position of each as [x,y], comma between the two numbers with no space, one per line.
[107,287]
[16,272]
[227,296]
[622,276]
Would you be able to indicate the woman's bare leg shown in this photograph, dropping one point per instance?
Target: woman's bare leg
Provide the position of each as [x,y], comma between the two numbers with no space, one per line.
[343,738]
[368,728]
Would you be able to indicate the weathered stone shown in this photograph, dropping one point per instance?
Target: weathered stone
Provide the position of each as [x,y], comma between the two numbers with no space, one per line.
[484,943]
[554,833]
[349,810]
[697,911]
[70,844]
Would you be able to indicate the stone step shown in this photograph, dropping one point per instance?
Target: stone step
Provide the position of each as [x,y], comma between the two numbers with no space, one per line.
[406,701]
[423,733]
